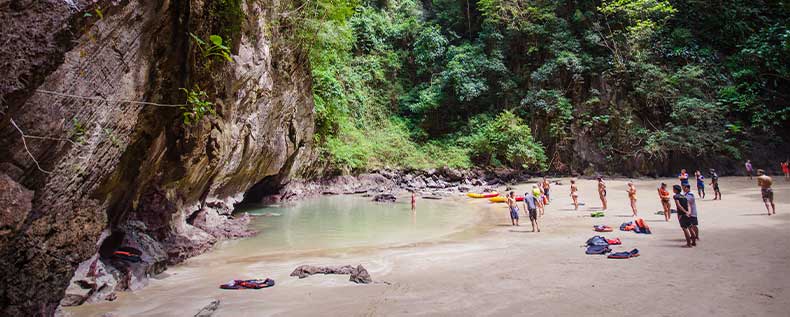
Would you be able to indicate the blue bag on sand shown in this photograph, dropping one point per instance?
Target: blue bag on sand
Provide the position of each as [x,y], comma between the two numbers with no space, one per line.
[598,249]
[597,240]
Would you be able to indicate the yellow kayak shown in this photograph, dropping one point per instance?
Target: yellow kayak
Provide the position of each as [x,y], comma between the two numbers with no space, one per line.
[501,199]
[486,195]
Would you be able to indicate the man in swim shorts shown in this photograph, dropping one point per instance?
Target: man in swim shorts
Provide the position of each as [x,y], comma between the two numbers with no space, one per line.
[714,182]
[681,204]
[511,204]
[765,182]
[531,205]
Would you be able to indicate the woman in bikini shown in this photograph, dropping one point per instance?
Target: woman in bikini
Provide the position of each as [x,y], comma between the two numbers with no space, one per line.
[575,194]
[632,196]
[602,191]
[665,197]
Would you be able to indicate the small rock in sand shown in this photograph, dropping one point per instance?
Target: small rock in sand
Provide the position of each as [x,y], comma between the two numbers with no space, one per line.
[209,309]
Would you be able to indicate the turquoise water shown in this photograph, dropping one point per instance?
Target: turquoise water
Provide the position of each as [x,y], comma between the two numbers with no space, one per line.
[334,222]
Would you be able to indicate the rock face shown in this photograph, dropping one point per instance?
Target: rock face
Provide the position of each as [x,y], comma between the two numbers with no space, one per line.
[91,164]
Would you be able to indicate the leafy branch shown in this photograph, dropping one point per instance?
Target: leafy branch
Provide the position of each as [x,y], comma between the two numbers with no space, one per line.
[214,47]
[197,105]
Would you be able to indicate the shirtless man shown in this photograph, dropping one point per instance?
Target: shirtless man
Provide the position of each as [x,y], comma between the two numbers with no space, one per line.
[546,187]
[602,191]
[765,182]
[511,205]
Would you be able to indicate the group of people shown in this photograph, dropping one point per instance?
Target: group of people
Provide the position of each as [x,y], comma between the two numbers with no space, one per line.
[534,203]
[684,199]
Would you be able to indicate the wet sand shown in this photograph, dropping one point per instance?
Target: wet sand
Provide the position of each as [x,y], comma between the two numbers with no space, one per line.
[740,267]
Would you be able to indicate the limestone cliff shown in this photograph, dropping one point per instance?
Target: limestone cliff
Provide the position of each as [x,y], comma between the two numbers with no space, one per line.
[84,172]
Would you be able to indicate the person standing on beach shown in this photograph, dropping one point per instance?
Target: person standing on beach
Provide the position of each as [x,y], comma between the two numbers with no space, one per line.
[692,207]
[765,182]
[413,201]
[786,169]
[748,166]
[602,192]
[664,195]
[700,184]
[714,182]
[511,204]
[531,206]
[632,196]
[681,204]
[537,192]
[575,194]
[546,187]
[684,177]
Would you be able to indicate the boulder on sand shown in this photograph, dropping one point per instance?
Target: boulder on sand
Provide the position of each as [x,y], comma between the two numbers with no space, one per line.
[358,274]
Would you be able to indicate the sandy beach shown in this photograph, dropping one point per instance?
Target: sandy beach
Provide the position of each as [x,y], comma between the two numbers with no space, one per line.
[740,267]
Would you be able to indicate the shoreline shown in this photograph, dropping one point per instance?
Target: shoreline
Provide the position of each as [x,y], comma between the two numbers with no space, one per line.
[559,225]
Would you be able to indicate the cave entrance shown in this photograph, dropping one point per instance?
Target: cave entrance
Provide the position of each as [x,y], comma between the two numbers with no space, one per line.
[265,191]
[111,243]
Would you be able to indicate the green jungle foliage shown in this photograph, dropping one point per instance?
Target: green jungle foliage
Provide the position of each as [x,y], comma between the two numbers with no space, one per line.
[197,106]
[529,83]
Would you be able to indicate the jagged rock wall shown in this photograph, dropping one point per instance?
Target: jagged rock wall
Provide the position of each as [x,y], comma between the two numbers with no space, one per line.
[114,173]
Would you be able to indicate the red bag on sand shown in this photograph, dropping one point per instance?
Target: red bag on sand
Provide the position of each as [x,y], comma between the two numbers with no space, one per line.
[615,241]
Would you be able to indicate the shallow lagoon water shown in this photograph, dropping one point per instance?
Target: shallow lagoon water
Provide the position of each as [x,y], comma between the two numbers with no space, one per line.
[342,222]
[332,229]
